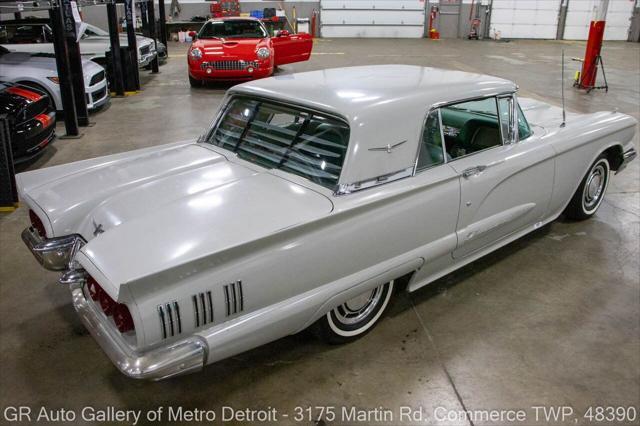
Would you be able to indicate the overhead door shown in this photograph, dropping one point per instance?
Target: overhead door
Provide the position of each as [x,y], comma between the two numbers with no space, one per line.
[580,13]
[372,18]
[525,18]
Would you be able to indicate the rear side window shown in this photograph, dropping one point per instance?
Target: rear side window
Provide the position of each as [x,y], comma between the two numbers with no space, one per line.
[275,136]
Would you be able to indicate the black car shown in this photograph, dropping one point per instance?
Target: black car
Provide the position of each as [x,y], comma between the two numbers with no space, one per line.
[33,120]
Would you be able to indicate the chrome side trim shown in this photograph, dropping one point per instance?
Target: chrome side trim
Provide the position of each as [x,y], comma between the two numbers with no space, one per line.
[348,188]
[170,320]
[174,359]
[628,156]
[52,253]
[234,298]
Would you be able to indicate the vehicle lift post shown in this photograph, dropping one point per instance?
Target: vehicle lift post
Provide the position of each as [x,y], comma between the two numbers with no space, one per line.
[151,21]
[131,39]
[116,59]
[75,61]
[163,24]
[63,66]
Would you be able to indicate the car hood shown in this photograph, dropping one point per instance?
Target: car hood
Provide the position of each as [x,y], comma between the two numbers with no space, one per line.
[44,64]
[244,48]
[93,39]
[145,214]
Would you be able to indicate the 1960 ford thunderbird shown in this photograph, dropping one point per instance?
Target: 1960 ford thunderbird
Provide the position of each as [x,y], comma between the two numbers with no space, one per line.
[303,203]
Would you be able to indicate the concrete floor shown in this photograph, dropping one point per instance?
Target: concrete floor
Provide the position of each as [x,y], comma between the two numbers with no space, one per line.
[553,319]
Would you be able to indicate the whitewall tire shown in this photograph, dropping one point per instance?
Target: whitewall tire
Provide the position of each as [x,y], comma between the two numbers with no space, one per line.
[589,195]
[354,318]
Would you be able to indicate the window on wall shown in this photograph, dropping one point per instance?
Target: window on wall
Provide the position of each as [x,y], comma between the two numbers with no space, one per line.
[470,127]
[431,149]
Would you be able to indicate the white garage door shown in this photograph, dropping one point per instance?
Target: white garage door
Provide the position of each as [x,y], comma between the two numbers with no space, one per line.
[372,18]
[525,18]
[581,12]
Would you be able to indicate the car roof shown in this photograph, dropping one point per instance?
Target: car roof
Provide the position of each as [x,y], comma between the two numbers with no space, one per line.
[234,18]
[383,104]
[352,90]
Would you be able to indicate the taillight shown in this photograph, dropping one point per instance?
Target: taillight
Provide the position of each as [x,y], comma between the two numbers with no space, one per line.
[122,318]
[37,223]
[94,289]
[121,315]
[106,303]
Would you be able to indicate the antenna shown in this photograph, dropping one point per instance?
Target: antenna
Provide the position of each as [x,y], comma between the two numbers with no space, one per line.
[564,113]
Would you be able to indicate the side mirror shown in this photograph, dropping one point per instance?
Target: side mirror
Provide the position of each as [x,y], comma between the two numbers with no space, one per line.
[283,33]
[193,35]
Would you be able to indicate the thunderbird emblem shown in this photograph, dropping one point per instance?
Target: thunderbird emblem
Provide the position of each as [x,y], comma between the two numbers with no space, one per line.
[97,228]
[387,148]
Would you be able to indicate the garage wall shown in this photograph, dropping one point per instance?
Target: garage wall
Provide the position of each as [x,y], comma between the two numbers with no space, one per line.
[372,18]
[525,18]
[581,12]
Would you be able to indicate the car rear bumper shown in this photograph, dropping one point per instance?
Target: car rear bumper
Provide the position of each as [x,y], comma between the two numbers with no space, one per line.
[177,358]
[52,253]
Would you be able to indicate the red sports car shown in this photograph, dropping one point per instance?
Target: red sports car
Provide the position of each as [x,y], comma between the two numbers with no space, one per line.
[241,49]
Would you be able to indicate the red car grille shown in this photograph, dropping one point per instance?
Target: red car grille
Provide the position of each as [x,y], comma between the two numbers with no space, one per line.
[229,65]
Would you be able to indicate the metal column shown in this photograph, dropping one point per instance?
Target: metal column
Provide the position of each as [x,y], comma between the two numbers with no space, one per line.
[75,62]
[152,33]
[64,75]
[131,38]
[163,24]
[116,59]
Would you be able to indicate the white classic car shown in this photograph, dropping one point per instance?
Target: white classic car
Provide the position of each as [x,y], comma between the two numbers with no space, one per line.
[309,196]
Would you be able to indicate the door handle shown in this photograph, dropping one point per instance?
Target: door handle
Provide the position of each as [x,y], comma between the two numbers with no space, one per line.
[472,171]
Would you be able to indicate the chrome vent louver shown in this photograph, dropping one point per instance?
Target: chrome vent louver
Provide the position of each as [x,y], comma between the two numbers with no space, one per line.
[203,308]
[170,319]
[234,298]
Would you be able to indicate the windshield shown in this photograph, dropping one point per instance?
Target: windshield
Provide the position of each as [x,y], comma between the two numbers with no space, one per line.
[232,29]
[275,136]
[92,30]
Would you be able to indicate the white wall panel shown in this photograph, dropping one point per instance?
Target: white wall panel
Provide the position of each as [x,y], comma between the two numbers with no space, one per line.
[581,12]
[525,18]
[372,18]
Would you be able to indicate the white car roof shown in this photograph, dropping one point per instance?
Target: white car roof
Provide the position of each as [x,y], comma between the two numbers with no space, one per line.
[384,105]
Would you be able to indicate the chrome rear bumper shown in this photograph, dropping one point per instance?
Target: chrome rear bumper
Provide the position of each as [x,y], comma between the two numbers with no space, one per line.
[52,253]
[177,358]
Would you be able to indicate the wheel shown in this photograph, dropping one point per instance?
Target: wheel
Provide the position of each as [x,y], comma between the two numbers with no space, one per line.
[40,88]
[354,318]
[194,82]
[590,193]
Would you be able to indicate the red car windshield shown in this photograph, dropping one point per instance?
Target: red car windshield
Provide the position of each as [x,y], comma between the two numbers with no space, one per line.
[232,29]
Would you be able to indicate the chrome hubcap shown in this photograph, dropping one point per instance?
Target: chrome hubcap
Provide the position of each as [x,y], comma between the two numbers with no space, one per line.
[594,187]
[358,308]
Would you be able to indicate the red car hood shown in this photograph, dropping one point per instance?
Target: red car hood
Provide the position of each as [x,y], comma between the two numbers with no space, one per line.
[243,48]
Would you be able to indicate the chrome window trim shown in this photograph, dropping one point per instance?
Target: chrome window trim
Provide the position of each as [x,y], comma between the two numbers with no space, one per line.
[442,146]
[479,98]
[349,188]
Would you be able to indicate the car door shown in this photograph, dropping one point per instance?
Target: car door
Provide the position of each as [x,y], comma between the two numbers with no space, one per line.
[289,48]
[505,183]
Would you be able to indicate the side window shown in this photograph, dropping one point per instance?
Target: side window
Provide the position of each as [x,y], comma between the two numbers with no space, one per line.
[471,127]
[524,131]
[431,152]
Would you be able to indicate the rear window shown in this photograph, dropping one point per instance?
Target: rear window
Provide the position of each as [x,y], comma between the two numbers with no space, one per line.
[274,136]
